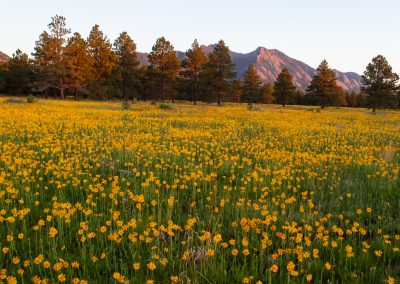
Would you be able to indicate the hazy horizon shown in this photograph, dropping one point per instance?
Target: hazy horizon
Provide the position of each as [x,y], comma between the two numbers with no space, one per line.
[341,32]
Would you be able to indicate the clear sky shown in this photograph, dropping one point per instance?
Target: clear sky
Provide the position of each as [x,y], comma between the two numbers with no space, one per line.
[348,33]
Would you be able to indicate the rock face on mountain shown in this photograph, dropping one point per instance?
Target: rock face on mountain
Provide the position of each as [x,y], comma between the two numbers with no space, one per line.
[3,57]
[270,62]
[349,81]
[144,60]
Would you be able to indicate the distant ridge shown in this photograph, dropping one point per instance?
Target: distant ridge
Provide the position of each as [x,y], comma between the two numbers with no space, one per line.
[4,57]
[270,62]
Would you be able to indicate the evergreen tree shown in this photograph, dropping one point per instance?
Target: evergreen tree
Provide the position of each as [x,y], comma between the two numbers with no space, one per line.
[323,87]
[49,56]
[193,67]
[165,66]
[266,95]
[352,99]
[3,72]
[220,71]
[298,98]
[380,83]
[237,88]
[104,61]
[147,86]
[341,97]
[398,99]
[128,64]
[284,88]
[362,99]
[79,63]
[251,84]
[19,73]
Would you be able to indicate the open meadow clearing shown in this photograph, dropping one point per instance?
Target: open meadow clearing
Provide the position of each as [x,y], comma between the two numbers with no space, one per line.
[93,193]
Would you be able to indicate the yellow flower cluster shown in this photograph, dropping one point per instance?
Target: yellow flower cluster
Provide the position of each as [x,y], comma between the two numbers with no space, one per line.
[90,193]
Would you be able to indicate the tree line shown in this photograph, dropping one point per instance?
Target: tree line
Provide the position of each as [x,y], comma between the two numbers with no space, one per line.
[65,64]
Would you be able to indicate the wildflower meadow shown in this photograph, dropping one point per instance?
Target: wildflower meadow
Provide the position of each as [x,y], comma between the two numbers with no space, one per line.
[92,193]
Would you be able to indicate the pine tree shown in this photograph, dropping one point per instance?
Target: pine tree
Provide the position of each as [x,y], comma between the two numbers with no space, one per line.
[299,97]
[19,73]
[284,89]
[79,63]
[251,84]
[104,61]
[220,71]
[398,99]
[323,87]
[165,66]
[380,83]
[237,88]
[362,99]
[352,99]
[49,56]
[266,95]
[128,64]
[147,86]
[3,74]
[193,67]
[341,97]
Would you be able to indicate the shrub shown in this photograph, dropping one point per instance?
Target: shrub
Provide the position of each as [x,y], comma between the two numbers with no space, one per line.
[30,99]
[252,107]
[125,105]
[165,106]
[14,101]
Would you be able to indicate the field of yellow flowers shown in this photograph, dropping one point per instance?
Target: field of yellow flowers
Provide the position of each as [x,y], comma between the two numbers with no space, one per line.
[91,193]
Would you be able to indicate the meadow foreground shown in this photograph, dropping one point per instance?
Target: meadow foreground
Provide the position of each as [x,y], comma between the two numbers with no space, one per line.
[92,193]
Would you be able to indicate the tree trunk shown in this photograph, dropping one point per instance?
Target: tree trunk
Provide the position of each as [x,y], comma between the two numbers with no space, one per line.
[62,93]
[124,93]
[284,105]
[195,95]
[61,89]
[219,99]
[373,109]
[162,93]
[76,94]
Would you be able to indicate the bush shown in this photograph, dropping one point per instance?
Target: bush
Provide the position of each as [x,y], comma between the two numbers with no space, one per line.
[165,106]
[30,99]
[153,103]
[14,101]
[125,105]
[252,107]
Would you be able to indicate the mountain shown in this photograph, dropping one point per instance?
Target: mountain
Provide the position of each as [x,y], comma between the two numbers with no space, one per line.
[270,62]
[349,81]
[144,60]
[3,57]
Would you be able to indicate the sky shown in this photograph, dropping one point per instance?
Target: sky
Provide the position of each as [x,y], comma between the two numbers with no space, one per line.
[347,33]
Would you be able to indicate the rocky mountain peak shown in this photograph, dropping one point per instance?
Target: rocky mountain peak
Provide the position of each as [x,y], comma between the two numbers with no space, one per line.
[3,57]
